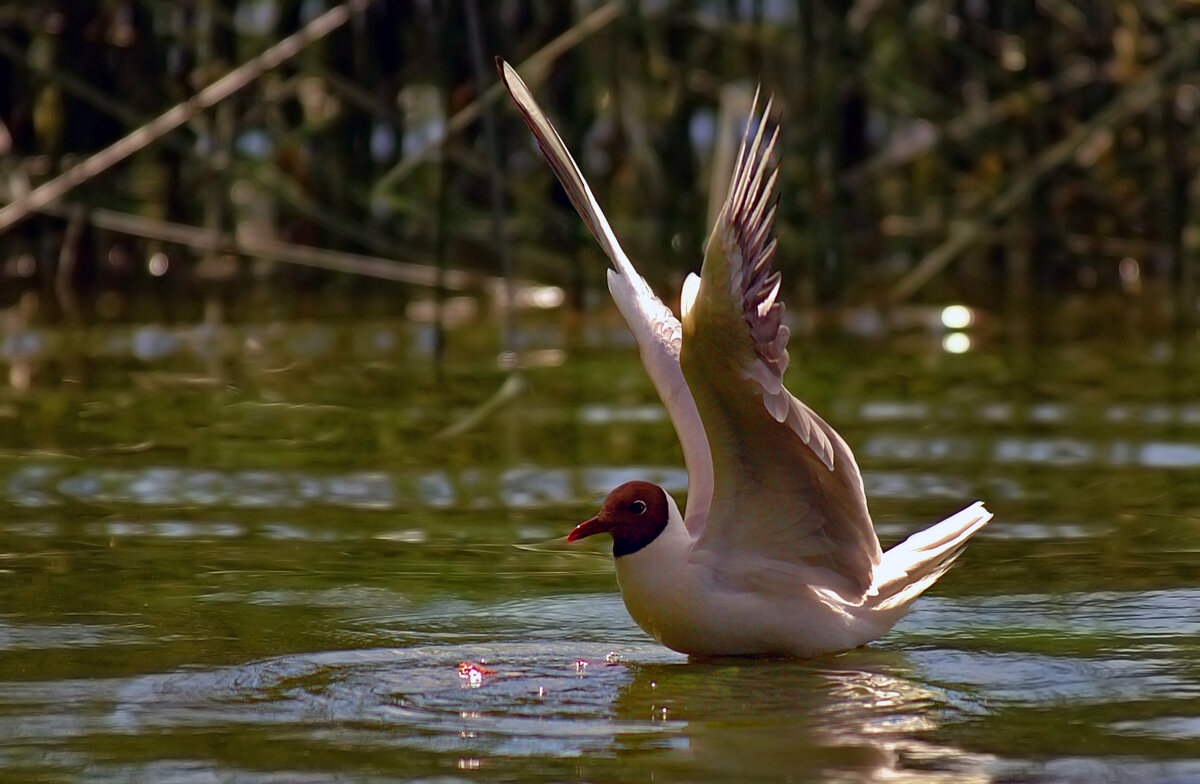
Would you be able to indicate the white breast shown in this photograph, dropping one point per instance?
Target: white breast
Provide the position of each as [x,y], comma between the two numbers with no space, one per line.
[687,605]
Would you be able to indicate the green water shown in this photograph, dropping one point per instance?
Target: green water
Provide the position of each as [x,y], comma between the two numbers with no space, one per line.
[239,554]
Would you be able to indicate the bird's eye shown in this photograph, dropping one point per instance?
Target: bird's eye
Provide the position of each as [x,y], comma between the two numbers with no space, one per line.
[638,507]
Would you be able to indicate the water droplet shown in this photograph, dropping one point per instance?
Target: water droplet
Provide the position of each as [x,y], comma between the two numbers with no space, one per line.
[473,674]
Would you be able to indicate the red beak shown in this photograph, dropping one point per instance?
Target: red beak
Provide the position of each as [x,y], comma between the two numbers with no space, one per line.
[589,527]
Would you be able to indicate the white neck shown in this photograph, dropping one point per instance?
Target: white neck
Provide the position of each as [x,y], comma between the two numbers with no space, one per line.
[653,580]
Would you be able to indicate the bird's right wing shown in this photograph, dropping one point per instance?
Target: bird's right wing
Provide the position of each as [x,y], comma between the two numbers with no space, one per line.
[657,331]
[787,490]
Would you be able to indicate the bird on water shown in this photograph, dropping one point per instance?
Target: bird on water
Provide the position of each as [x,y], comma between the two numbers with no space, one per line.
[776,552]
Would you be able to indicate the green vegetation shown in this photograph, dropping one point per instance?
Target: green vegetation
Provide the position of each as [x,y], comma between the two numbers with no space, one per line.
[1025,157]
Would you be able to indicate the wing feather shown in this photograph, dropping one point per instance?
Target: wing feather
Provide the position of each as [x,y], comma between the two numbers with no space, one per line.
[657,331]
[786,486]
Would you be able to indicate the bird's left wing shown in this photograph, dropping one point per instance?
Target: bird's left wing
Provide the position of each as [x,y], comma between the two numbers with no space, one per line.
[655,328]
[787,490]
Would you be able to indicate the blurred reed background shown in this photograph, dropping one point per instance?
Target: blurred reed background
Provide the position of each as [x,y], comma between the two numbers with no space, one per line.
[1032,159]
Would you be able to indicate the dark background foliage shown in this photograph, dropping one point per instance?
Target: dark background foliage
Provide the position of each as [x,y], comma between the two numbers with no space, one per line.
[1028,157]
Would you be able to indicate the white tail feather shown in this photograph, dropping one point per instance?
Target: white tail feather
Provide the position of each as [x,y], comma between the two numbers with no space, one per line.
[916,563]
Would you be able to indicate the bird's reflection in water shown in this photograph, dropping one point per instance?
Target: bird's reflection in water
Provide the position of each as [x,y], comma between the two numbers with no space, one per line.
[850,715]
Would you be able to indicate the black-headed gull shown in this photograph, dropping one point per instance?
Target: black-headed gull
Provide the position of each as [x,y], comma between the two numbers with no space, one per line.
[776,553]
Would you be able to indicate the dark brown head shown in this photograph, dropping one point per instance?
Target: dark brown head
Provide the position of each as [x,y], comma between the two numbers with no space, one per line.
[634,513]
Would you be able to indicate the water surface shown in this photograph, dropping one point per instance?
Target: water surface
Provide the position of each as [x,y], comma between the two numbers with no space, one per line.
[243,554]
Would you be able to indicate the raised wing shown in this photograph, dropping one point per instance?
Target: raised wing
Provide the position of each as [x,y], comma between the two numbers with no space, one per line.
[786,486]
[657,331]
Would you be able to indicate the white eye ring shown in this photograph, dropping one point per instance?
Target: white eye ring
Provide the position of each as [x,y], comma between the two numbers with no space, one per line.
[638,507]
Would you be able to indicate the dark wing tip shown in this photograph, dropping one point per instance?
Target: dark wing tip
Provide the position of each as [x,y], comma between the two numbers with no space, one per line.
[559,157]
[750,217]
